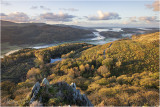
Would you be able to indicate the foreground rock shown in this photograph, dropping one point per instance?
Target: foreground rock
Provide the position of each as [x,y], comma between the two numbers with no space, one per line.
[57,94]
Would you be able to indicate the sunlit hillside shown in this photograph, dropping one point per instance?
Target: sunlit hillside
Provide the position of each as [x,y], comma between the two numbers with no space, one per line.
[124,74]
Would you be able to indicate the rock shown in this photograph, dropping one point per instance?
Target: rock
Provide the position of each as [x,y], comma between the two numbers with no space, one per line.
[88,102]
[35,104]
[45,82]
[77,97]
[73,85]
[35,87]
[59,92]
[35,91]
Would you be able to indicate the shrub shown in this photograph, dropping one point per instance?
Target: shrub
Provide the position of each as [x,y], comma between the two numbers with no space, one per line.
[82,68]
[108,62]
[54,101]
[33,72]
[119,63]
[106,92]
[103,71]
[113,101]
[123,79]
[112,79]
[149,83]
[93,87]
[102,81]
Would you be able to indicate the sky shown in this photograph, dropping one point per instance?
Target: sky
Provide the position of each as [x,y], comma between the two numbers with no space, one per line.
[88,13]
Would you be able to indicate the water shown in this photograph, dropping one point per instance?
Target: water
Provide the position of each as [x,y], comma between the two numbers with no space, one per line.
[98,36]
[100,40]
[127,35]
[110,29]
[144,29]
[56,59]
[10,52]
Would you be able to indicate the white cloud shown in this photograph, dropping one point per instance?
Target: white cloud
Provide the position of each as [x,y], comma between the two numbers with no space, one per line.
[40,7]
[133,19]
[148,19]
[15,16]
[57,17]
[34,7]
[5,3]
[69,9]
[22,17]
[44,8]
[105,16]
[155,6]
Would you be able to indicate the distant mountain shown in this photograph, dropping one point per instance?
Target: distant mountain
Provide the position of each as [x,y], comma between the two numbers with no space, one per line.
[75,26]
[35,33]
[8,23]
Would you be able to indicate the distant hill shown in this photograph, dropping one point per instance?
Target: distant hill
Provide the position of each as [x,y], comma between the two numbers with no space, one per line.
[35,33]
[8,23]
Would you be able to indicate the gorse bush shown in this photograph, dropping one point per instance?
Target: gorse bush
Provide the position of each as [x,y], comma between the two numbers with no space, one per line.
[103,71]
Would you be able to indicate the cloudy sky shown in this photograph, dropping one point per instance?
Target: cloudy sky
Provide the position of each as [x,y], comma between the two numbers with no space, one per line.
[91,13]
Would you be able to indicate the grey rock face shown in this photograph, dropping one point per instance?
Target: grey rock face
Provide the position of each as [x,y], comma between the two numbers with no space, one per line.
[35,91]
[45,82]
[77,97]
[88,102]
[64,91]
[73,85]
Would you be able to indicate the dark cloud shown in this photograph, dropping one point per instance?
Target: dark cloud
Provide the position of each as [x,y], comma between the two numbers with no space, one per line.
[57,17]
[2,14]
[44,8]
[155,6]
[105,16]
[16,16]
[69,9]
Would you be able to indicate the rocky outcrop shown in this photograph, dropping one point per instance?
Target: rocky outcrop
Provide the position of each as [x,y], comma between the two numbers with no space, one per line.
[77,96]
[57,94]
[45,82]
[34,92]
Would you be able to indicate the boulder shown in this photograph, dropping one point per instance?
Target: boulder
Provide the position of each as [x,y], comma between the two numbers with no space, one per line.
[77,97]
[34,92]
[73,85]
[45,82]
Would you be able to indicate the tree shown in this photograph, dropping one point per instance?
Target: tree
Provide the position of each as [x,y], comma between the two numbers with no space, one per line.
[34,73]
[103,71]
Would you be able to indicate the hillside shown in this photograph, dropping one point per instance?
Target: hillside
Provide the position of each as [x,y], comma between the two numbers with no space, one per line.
[36,33]
[8,23]
[124,73]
